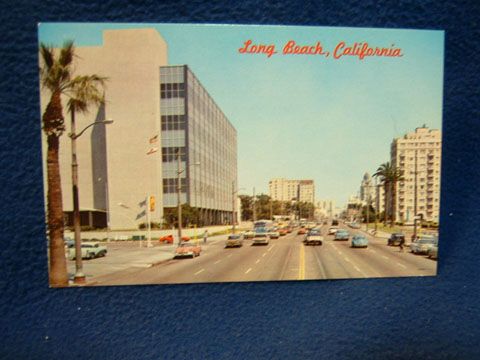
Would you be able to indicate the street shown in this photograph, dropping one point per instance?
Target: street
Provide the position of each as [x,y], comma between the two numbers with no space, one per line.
[285,258]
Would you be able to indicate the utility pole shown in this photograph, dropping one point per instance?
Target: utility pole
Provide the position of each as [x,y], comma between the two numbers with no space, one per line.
[415,200]
[233,207]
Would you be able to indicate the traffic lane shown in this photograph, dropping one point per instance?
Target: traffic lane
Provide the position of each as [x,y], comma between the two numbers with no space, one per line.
[278,262]
[418,265]
[214,265]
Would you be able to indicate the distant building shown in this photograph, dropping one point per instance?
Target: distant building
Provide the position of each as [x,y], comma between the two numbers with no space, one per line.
[370,192]
[418,156]
[287,190]
[326,208]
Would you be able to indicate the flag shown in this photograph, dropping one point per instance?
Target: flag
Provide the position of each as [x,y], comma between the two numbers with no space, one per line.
[152,150]
[153,139]
[141,214]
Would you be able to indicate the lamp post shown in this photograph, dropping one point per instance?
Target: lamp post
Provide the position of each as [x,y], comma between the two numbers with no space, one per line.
[79,275]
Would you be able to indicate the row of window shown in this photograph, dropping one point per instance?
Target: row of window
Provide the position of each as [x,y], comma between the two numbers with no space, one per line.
[172,90]
[170,185]
[170,154]
[173,122]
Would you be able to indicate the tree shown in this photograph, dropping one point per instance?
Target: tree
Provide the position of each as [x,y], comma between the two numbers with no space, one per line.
[389,177]
[247,207]
[56,76]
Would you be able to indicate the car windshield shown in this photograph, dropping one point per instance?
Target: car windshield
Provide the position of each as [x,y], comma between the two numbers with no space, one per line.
[260,230]
[314,233]
[185,245]
[234,237]
[359,238]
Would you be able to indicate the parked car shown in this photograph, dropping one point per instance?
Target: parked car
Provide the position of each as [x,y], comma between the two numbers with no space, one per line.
[332,230]
[170,238]
[234,240]
[395,239]
[187,249]
[261,237]
[359,241]
[423,244]
[313,237]
[90,250]
[250,234]
[342,235]
[433,252]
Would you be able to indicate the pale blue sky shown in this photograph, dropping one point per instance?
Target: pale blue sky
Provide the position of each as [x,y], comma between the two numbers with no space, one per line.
[304,117]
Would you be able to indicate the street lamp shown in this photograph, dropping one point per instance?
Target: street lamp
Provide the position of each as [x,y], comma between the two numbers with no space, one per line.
[79,275]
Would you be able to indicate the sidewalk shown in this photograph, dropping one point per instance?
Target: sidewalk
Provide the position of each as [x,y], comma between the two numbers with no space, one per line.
[127,256]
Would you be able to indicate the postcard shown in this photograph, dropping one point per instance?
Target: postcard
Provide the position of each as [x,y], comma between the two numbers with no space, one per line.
[194,153]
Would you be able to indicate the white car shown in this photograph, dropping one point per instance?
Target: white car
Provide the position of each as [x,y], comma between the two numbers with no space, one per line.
[314,237]
[332,230]
[90,250]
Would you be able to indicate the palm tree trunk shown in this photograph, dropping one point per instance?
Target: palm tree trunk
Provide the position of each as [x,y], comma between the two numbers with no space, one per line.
[58,266]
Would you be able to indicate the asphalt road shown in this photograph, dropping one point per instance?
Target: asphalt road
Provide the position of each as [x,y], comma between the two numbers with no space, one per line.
[285,258]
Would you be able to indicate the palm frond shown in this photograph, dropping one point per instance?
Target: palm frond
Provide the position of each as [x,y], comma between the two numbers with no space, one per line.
[66,53]
[47,55]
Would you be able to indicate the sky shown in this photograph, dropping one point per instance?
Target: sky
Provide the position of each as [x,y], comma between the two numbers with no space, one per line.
[303,116]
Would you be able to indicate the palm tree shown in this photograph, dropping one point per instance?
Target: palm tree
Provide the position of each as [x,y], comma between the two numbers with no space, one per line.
[389,177]
[56,74]
[384,174]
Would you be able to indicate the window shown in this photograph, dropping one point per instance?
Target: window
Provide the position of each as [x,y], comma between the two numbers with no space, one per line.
[170,185]
[173,122]
[169,154]
[172,90]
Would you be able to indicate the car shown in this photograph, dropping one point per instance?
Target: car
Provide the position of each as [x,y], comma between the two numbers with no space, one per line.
[433,252]
[283,232]
[395,239]
[234,240]
[332,230]
[334,222]
[354,225]
[359,241]
[186,249]
[273,233]
[250,234]
[170,238]
[301,231]
[289,229]
[342,235]
[90,250]
[261,237]
[423,244]
[313,237]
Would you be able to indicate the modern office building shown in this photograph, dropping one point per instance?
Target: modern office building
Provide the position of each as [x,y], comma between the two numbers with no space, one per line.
[418,156]
[326,208]
[157,111]
[287,190]
[195,127]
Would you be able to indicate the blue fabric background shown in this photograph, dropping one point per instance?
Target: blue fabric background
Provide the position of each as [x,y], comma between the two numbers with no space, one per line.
[353,319]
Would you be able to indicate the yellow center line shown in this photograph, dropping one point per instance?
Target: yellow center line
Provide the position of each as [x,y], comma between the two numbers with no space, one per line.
[301,268]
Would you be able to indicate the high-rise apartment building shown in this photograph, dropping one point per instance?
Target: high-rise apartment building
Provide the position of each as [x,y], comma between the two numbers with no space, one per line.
[371,192]
[288,190]
[159,111]
[418,156]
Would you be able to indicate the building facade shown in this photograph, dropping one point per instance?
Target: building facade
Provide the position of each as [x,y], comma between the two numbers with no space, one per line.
[156,112]
[195,128]
[288,190]
[371,192]
[418,156]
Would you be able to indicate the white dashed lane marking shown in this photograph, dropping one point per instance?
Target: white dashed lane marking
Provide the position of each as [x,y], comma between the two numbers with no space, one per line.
[250,269]
[403,266]
[199,271]
[216,262]
[256,262]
